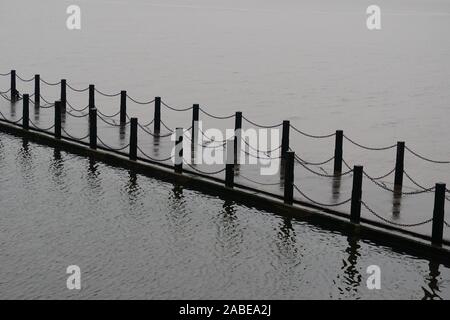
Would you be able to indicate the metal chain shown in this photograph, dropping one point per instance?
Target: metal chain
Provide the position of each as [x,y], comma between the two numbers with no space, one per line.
[75,138]
[146,125]
[165,126]
[152,134]
[258,157]
[426,159]
[77,110]
[77,90]
[204,135]
[260,151]
[140,102]
[319,203]
[394,191]
[314,163]
[406,225]
[109,123]
[175,109]
[76,116]
[205,146]
[385,175]
[108,116]
[257,182]
[260,125]
[216,117]
[369,148]
[151,158]
[111,148]
[311,135]
[36,127]
[51,84]
[204,172]
[106,94]
[24,80]
[321,174]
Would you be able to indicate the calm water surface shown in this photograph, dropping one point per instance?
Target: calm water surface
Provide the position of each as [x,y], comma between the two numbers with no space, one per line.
[137,237]
[312,62]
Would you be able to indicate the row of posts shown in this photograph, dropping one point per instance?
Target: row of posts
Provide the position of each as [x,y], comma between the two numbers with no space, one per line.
[232,147]
[338,150]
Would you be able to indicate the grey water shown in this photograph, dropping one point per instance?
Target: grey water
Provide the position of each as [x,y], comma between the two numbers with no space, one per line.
[311,62]
[135,237]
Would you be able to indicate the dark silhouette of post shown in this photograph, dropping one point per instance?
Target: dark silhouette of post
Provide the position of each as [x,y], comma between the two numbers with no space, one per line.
[63,94]
[195,119]
[229,165]
[133,138]
[338,151]
[37,91]
[91,96]
[157,115]
[58,112]
[285,138]
[355,210]
[14,92]
[26,112]
[289,177]
[237,135]
[93,128]
[123,107]
[399,165]
[178,150]
[438,214]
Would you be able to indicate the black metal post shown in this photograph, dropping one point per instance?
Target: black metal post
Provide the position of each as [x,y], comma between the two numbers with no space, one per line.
[399,164]
[438,214]
[355,210]
[289,177]
[195,119]
[123,107]
[285,138]
[93,128]
[338,151]
[91,96]
[133,138]
[26,112]
[157,115]
[229,165]
[37,91]
[179,150]
[237,135]
[14,92]
[63,94]
[58,112]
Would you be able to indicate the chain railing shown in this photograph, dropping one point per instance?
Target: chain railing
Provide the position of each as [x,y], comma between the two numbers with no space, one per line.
[109,119]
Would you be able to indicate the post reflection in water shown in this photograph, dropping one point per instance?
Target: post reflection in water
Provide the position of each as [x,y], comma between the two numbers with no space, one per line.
[93,174]
[336,187]
[178,216]
[134,193]
[63,118]
[25,161]
[12,110]
[287,242]
[229,234]
[57,169]
[156,142]
[396,202]
[122,132]
[352,275]
[37,114]
[431,293]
